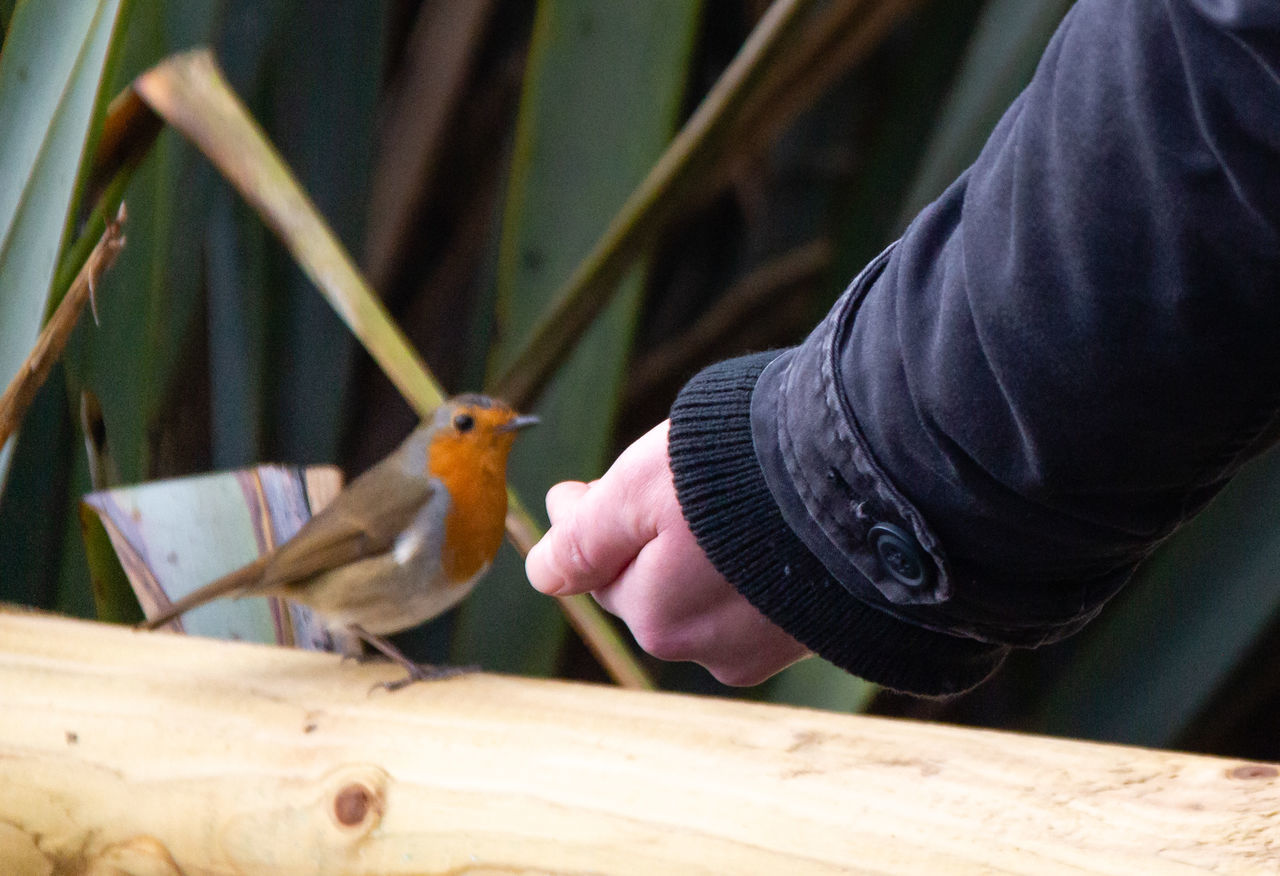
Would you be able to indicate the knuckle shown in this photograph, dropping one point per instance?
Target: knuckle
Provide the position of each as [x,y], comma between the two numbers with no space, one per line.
[661,640]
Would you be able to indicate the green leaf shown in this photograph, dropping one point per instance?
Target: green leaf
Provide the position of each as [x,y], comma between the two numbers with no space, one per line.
[190,93]
[113,598]
[240,270]
[150,299]
[50,73]
[602,93]
[322,99]
[146,302]
[915,85]
[35,501]
[820,685]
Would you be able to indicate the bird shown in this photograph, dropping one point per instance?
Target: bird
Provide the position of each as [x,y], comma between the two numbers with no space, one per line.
[403,542]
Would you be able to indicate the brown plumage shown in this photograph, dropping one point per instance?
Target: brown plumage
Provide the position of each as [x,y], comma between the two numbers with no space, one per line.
[401,543]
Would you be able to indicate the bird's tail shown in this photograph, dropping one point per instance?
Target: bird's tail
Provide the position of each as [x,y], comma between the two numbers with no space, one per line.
[235,583]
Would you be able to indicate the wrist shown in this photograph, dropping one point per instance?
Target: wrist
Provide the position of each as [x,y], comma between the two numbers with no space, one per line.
[727,503]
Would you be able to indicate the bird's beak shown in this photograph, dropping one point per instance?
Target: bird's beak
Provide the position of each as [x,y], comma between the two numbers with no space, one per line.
[517,423]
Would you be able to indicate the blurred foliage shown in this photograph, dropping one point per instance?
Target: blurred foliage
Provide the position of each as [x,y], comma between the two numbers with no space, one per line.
[51,72]
[474,150]
[55,59]
[602,92]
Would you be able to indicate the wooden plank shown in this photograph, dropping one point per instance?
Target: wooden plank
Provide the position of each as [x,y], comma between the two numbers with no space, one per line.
[156,753]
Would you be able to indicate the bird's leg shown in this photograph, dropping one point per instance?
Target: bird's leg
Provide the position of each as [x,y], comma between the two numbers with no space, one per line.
[416,671]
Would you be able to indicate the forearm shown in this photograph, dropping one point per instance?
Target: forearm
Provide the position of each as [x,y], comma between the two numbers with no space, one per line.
[1063,358]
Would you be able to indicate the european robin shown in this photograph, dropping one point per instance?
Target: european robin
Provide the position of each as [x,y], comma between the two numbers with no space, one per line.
[401,543]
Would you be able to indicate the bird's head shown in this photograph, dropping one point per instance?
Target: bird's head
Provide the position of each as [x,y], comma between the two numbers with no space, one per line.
[473,434]
[470,438]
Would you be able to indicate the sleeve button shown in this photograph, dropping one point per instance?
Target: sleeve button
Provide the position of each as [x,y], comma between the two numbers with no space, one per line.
[899,555]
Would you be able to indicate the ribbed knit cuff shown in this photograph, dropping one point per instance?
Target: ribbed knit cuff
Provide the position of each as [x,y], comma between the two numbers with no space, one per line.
[736,521]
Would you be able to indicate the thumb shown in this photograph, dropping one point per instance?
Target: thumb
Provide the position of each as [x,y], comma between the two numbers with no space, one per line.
[590,542]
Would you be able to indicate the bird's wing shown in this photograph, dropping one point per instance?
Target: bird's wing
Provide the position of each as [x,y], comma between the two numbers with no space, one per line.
[362,521]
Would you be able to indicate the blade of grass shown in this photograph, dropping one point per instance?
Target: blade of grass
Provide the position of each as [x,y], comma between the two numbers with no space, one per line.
[112,596]
[755,294]
[910,95]
[190,93]
[242,275]
[796,51]
[59,57]
[679,172]
[834,39]
[37,500]
[150,300]
[817,684]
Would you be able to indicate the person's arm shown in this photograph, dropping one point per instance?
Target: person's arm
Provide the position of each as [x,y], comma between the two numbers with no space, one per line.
[1063,359]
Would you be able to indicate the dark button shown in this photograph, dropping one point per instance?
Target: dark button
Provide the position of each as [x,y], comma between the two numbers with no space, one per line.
[899,554]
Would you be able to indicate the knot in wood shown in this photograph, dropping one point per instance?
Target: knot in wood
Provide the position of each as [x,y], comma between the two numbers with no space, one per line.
[353,803]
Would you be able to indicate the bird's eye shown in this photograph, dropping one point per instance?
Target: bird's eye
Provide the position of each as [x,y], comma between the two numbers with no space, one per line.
[464,422]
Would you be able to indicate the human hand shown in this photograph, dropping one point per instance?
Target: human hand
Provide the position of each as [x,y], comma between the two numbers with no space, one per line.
[623,539]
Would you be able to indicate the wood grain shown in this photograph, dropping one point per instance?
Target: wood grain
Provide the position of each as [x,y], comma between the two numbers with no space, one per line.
[130,752]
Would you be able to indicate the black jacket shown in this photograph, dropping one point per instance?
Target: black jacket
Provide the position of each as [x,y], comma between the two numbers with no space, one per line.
[1064,357]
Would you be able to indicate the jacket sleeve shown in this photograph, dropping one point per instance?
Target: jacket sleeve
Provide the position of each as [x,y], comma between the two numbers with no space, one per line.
[1064,358]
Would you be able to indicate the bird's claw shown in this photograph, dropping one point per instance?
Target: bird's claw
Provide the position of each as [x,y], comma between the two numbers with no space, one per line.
[424,672]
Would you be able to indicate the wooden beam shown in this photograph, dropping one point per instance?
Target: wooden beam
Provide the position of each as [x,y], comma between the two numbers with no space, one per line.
[156,753]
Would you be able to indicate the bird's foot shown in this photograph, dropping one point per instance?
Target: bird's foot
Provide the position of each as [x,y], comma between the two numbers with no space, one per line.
[416,672]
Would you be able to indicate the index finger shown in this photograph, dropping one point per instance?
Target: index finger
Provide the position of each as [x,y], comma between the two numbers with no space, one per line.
[588,546]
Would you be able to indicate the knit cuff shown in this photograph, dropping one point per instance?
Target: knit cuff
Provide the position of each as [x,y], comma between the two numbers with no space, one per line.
[733,516]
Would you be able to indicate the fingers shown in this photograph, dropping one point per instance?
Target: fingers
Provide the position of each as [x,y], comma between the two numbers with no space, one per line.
[669,580]
[679,608]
